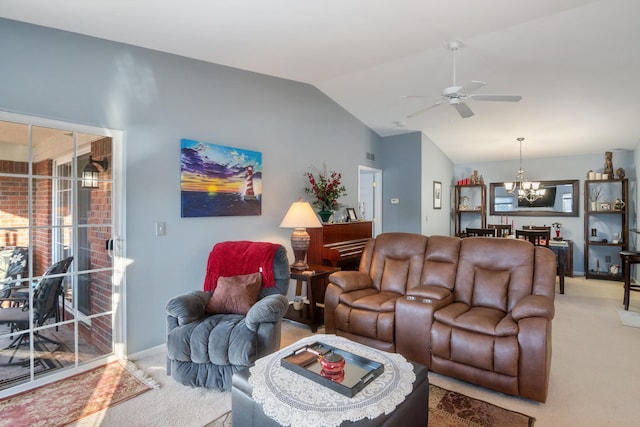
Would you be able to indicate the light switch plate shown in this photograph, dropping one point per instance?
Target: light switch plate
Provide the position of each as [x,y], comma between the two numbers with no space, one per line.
[161,228]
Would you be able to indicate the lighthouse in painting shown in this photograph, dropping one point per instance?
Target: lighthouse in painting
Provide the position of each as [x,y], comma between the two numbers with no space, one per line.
[248,192]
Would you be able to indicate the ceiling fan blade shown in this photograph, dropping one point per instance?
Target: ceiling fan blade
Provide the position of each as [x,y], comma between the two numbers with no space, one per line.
[419,96]
[424,109]
[463,110]
[471,86]
[489,97]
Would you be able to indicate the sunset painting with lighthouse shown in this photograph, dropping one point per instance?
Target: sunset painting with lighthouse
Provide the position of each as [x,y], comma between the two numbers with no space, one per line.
[219,181]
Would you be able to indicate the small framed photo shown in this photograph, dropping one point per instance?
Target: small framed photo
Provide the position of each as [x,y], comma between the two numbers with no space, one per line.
[351,214]
[437,195]
[605,206]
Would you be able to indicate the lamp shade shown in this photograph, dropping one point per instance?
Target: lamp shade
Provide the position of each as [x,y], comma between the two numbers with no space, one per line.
[300,215]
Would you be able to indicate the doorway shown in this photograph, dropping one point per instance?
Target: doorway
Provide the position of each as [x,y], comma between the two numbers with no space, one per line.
[62,228]
[370,197]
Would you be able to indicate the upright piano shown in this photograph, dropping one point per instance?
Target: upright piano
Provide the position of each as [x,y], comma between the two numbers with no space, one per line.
[340,244]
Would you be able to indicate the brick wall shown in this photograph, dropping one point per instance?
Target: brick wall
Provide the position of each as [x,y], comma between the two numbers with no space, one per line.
[14,196]
[42,204]
[100,213]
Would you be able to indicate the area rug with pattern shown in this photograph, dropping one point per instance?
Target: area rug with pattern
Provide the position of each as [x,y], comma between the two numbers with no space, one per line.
[70,399]
[448,409]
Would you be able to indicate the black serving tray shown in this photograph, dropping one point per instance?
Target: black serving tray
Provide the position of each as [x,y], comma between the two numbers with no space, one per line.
[358,371]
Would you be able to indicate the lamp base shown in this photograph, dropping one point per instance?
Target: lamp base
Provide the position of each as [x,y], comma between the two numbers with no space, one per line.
[300,265]
[300,244]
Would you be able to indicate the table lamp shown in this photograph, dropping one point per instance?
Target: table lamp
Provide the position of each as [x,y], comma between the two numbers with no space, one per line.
[300,216]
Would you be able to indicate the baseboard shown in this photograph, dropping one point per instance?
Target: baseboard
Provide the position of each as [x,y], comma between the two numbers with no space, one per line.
[148,351]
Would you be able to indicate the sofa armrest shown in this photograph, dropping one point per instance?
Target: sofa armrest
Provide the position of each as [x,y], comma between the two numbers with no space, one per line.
[271,308]
[351,280]
[188,307]
[533,306]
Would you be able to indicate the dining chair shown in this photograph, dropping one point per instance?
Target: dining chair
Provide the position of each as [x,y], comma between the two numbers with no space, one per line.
[535,236]
[481,232]
[501,229]
[536,227]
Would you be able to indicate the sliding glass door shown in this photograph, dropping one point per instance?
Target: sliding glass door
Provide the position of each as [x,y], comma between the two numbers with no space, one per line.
[59,219]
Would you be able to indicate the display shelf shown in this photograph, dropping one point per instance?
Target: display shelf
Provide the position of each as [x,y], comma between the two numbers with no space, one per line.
[608,218]
[474,215]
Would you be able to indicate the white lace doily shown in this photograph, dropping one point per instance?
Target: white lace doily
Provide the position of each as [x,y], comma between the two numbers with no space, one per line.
[292,399]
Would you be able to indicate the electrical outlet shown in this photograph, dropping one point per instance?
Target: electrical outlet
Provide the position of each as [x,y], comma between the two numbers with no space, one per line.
[161,228]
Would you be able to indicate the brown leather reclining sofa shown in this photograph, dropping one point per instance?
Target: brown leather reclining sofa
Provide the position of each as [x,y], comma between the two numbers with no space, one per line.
[477,309]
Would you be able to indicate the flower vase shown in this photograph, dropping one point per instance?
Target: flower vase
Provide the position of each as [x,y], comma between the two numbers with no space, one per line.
[325,215]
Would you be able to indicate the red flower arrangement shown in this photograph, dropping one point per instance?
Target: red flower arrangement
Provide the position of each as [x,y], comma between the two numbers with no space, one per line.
[326,189]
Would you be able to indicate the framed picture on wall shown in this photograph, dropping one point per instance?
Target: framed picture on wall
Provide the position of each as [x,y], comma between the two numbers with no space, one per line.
[437,195]
[216,180]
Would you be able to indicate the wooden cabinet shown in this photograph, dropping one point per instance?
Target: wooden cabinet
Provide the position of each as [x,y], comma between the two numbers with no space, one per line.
[606,227]
[469,207]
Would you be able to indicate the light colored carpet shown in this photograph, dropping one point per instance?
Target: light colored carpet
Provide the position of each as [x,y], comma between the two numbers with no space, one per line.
[629,318]
[172,404]
[594,371]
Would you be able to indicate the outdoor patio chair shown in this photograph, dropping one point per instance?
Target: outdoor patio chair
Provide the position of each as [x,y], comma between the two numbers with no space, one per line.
[45,306]
[13,266]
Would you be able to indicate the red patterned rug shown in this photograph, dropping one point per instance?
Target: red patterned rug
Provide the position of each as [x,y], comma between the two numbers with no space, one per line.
[449,409]
[68,400]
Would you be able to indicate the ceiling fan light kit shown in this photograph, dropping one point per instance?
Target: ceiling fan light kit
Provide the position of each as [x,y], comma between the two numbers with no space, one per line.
[456,95]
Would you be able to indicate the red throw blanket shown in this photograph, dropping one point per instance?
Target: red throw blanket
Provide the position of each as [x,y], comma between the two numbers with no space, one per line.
[243,257]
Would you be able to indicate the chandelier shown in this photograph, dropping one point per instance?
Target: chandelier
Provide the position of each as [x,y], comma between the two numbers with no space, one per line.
[523,189]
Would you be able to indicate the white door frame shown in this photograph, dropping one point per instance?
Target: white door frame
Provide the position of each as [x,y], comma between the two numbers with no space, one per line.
[118,236]
[370,196]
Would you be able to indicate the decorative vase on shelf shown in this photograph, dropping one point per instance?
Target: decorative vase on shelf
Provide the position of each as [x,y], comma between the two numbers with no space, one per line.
[325,215]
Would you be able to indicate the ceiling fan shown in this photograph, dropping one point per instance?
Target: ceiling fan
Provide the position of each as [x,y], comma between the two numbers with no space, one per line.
[457,95]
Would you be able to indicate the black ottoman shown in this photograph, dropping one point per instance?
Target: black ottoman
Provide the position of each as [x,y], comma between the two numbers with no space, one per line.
[414,411]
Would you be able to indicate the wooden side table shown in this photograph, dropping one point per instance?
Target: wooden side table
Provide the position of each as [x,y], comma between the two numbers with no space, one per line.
[628,258]
[564,253]
[316,280]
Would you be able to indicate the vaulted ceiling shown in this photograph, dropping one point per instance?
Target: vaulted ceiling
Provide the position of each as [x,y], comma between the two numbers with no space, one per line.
[574,62]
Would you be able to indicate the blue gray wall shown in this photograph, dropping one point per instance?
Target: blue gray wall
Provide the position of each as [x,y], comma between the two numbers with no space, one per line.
[401,160]
[411,163]
[436,166]
[157,99]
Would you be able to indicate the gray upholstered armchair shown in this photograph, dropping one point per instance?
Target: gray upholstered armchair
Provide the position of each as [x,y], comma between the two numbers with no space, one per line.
[205,350]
